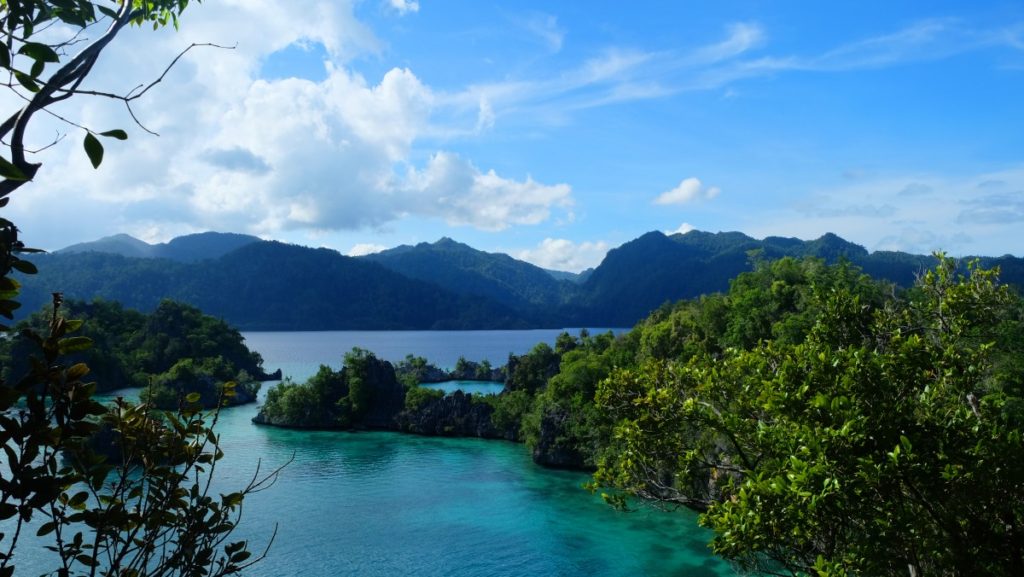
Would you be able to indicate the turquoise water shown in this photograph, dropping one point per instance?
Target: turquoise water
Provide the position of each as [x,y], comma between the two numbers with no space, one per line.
[386,504]
[474,387]
[300,353]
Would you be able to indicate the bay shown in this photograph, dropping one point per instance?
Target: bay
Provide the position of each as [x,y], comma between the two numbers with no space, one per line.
[379,504]
[300,353]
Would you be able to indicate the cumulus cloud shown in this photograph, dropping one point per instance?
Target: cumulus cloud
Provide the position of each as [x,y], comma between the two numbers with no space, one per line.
[363,249]
[238,152]
[683,229]
[451,187]
[565,255]
[689,190]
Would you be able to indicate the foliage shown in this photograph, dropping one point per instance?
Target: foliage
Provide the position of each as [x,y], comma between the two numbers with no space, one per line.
[329,399]
[143,504]
[132,349]
[206,377]
[846,434]
[417,397]
[531,371]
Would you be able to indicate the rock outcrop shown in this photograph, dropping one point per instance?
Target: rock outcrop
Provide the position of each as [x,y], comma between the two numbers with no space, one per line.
[455,415]
[387,395]
[551,450]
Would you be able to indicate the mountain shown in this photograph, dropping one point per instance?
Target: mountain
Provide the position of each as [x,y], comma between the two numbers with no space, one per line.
[575,277]
[465,270]
[122,244]
[267,285]
[188,248]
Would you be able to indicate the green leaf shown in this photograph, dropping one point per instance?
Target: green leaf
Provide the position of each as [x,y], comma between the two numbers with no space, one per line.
[74,344]
[109,13]
[46,529]
[94,149]
[116,133]
[192,397]
[9,171]
[39,52]
[5,56]
[27,81]
[25,266]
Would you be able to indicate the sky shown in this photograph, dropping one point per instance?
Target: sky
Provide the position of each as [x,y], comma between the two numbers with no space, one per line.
[551,131]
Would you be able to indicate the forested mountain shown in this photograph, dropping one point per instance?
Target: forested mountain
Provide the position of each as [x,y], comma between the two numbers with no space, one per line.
[463,269]
[446,284]
[270,286]
[188,248]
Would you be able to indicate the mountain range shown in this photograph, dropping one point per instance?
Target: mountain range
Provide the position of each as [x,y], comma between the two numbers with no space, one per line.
[267,285]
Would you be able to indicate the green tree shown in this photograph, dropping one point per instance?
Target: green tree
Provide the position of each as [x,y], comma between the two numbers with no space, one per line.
[886,442]
[121,490]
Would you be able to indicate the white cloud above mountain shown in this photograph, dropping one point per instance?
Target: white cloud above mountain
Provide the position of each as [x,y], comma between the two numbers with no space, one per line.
[565,255]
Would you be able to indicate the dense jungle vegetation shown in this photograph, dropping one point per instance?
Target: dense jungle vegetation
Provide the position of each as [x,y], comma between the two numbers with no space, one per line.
[824,422]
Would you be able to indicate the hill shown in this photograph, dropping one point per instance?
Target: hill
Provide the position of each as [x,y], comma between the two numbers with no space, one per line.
[188,248]
[269,286]
[465,270]
[446,284]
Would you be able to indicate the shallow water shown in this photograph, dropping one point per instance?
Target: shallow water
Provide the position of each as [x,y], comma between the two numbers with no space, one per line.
[386,504]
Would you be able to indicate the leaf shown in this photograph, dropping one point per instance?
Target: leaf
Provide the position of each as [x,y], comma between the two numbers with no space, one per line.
[39,52]
[27,81]
[116,133]
[5,56]
[109,13]
[192,397]
[25,266]
[9,171]
[74,344]
[77,371]
[94,149]
[46,529]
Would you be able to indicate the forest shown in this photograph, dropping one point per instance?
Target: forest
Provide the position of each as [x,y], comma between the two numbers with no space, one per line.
[823,422]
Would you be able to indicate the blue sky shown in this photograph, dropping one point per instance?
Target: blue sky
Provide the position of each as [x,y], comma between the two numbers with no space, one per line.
[554,131]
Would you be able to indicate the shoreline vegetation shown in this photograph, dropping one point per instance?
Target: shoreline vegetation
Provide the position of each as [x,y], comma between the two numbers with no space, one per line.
[808,400]
[808,396]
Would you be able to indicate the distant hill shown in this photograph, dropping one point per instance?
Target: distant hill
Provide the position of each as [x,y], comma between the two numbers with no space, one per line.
[269,286]
[188,248]
[258,284]
[463,269]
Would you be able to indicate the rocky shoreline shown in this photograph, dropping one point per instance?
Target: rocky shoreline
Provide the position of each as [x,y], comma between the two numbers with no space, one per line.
[457,414]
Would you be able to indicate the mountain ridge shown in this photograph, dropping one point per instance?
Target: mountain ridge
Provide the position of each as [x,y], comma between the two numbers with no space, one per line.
[270,285]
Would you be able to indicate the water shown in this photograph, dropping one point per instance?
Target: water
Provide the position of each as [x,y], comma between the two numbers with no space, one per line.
[384,504]
[300,353]
[474,387]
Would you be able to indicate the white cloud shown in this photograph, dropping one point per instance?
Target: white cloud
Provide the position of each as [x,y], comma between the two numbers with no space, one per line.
[454,189]
[683,229]
[565,255]
[689,190]
[363,249]
[403,7]
[237,152]
[977,214]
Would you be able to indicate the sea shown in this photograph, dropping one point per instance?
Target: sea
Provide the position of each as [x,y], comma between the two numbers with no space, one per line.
[388,504]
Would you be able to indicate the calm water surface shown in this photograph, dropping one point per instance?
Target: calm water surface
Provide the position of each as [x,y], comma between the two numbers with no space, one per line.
[386,504]
[300,353]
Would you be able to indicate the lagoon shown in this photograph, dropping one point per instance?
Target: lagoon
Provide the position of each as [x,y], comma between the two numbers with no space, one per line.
[380,504]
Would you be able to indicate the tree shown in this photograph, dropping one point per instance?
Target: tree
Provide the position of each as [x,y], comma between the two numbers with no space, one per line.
[885,442]
[122,490]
